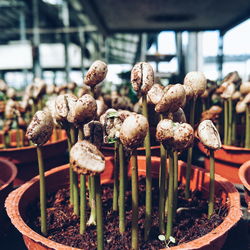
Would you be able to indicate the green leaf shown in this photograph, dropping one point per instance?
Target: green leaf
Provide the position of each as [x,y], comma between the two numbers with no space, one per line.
[161,237]
[112,140]
[112,115]
[172,239]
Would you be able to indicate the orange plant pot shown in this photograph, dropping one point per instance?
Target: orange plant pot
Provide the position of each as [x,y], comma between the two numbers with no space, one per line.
[17,203]
[227,161]
[244,175]
[25,158]
[8,172]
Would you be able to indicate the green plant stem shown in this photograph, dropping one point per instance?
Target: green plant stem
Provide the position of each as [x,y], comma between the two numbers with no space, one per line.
[99,216]
[204,108]
[162,180]
[247,135]
[121,190]
[134,200]
[17,134]
[92,191]
[211,185]
[116,176]
[42,191]
[147,224]
[230,120]
[82,204]
[175,184]
[80,132]
[190,152]
[234,121]
[225,122]
[5,140]
[170,195]
[92,91]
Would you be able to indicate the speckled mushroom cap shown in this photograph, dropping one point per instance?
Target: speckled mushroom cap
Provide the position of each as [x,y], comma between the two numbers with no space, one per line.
[93,132]
[173,98]
[85,109]
[39,88]
[245,88]
[240,107]
[101,107]
[189,92]
[155,94]
[96,73]
[178,116]
[86,158]
[209,135]
[133,131]
[197,81]
[71,86]
[40,128]
[11,93]
[165,132]
[142,77]
[228,91]
[236,95]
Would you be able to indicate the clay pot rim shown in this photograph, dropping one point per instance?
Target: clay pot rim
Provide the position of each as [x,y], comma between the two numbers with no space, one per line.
[242,174]
[13,168]
[234,212]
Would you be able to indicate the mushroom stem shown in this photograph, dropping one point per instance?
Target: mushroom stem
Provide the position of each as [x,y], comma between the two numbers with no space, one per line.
[92,192]
[80,132]
[230,120]
[148,173]
[5,140]
[42,191]
[162,183]
[116,176]
[247,138]
[211,185]
[175,183]
[134,200]
[190,151]
[82,204]
[18,139]
[121,190]
[203,100]
[225,122]
[92,92]
[170,195]
[99,217]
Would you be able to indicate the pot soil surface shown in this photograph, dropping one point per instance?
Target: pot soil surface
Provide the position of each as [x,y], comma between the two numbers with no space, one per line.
[63,225]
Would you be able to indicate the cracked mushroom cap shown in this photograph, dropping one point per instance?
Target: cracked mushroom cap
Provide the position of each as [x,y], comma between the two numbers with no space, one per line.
[209,135]
[155,94]
[86,158]
[245,88]
[85,109]
[173,98]
[133,131]
[197,81]
[40,128]
[96,73]
[142,77]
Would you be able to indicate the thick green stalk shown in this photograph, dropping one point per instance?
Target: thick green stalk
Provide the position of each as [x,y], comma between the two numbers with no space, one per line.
[170,196]
[190,152]
[247,136]
[121,190]
[225,122]
[5,140]
[92,192]
[134,201]
[175,183]
[116,176]
[211,185]
[148,173]
[18,137]
[162,180]
[42,191]
[99,216]
[82,204]
[234,121]
[230,120]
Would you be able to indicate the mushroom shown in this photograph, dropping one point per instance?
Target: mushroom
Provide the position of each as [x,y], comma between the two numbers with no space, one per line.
[155,94]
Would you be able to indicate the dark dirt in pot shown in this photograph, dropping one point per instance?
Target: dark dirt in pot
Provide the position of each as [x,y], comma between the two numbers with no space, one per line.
[63,225]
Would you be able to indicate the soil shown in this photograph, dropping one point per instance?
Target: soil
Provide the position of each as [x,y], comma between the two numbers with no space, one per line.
[63,225]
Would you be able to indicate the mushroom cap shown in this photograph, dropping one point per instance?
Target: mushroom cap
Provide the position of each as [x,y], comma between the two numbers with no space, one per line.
[165,132]
[209,135]
[173,98]
[240,107]
[96,73]
[236,95]
[85,109]
[10,109]
[215,109]
[228,91]
[40,128]
[50,89]
[11,93]
[178,116]
[155,94]
[85,158]
[197,81]
[189,92]
[101,107]
[93,132]
[245,88]
[133,131]
[142,77]
[247,98]
[183,135]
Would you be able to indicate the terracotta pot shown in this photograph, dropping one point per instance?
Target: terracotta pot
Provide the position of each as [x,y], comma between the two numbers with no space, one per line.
[8,173]
[244,175]
[227,161]
[17,203]
[25,158]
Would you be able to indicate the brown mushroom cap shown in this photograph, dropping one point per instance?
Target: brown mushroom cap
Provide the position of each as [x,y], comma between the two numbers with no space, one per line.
[228,91]
[178,116]
[240,107]
[96,73]
[142,77]
[245,88]
[209,135]
[164,132]
[183,135]
[155,94]
[197,81]
[40,128]
[133,131]
[236,95]
[86,158]
[189,92]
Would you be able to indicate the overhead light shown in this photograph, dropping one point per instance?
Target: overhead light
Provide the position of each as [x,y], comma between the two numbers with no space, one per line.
[54,2]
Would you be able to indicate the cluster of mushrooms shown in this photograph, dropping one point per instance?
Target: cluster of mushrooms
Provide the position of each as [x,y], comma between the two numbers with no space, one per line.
[88,127]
